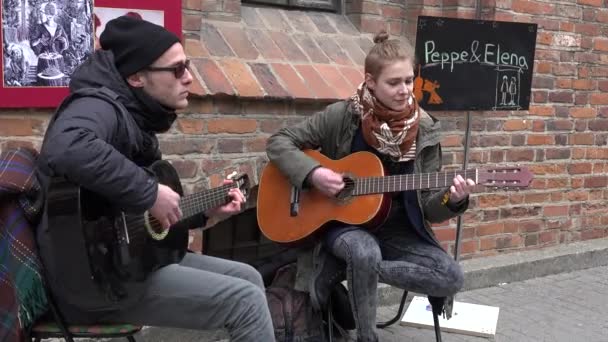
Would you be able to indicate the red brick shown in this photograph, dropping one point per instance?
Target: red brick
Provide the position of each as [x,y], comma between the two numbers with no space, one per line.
[196,88]
[532,7]
[239,42]
[295,85]
[543,67]
[213,76]
[185,168]
[210,5]
[315,54]
[18,127]
[192,4]
[251,17]
[275,19]
[353,75]
[583,84]
[353,49]
[490,229]
[234,126]
[582,139]
[542,110]
[243,80]
[517,125]
[215,44]
[321,22]
[541,139]
[288,47]
[598,99]
[232,6]
[600,44]
[316,83]
[190,126]
[595,182]
[556,210]
[14,144]
[191,22]
[596,3]
[451,141]
[446,234]
[395,12]
[265,44]
[300,21]
[333,50]
[469,247]
[334,78]
[257,144]
[267,79]
[579,113]
[195,49]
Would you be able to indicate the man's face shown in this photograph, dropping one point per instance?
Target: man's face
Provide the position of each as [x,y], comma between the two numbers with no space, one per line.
[164,86]
[394,84]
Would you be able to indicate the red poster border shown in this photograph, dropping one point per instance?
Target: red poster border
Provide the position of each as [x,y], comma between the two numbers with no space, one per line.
[50,97]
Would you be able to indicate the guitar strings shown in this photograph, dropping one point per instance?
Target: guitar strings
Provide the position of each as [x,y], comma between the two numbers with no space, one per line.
[188,204]
[382,184]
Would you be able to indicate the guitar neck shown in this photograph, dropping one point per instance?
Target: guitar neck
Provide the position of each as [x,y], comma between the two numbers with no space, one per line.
[207,199]
[384,184]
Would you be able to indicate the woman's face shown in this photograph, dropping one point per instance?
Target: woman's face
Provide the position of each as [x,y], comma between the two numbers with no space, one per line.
[394,85]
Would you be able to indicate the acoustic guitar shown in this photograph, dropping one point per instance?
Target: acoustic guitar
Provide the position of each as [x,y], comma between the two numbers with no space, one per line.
[118,245]
[288,215]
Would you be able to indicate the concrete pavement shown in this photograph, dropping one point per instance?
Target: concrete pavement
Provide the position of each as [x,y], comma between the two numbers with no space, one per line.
[555,294]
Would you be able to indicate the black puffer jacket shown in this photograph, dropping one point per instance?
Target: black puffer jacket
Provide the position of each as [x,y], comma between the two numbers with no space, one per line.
[91,144]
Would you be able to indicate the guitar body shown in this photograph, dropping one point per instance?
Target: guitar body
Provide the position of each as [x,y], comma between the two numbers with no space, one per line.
[316,210]
[85,226]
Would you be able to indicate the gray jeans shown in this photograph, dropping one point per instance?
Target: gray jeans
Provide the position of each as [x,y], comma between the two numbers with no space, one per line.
[203,292]
[396,257]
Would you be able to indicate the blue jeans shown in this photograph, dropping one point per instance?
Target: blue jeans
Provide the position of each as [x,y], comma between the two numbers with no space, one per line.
[394,256]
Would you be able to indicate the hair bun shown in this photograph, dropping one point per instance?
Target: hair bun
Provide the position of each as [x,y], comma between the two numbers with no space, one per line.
[380,37]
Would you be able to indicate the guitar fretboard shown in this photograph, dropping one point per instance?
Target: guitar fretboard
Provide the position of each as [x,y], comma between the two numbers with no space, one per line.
[377,185]
[202,201]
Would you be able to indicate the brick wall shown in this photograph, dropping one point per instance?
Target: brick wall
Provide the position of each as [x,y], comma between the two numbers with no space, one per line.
[562,138]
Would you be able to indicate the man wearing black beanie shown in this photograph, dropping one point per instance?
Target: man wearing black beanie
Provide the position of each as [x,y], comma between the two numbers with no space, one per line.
[103,140]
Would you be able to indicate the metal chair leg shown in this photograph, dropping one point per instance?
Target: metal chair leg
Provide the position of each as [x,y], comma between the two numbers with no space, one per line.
[437,328]
[392,321]
[130,338]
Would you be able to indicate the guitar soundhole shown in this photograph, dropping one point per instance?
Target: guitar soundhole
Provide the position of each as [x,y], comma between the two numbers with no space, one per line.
[347,191]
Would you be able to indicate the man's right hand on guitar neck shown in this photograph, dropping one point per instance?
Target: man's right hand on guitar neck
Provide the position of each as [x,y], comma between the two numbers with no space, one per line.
[166,208]
[326,181]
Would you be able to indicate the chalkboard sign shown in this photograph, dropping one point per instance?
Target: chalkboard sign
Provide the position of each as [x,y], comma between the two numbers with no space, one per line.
[474,64]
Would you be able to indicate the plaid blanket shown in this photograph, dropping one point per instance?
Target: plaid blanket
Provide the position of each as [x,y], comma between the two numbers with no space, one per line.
[23,297]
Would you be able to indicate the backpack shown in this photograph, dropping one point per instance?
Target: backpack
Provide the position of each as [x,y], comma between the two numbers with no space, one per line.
[293,317]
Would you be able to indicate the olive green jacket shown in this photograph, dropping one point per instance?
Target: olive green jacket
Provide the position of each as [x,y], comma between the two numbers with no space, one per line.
[332,132]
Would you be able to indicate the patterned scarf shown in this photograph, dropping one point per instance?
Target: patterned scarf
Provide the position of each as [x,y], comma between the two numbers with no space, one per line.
[391,133]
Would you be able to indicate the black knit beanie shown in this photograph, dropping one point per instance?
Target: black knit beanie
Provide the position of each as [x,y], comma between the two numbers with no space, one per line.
[135,43]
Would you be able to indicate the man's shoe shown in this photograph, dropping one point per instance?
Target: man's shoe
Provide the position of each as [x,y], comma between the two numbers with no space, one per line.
[327,272]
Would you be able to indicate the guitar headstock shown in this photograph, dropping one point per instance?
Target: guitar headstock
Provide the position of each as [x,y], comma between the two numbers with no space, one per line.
[505,177]
[241,181]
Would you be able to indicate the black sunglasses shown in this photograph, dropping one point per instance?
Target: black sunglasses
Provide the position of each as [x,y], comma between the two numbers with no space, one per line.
[178,70]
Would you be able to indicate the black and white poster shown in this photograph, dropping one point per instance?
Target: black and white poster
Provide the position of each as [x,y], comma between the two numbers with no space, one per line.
[44,41]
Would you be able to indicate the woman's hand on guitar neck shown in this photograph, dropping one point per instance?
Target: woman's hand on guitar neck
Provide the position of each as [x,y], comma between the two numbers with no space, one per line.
[327,181]
[166,208]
